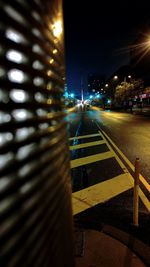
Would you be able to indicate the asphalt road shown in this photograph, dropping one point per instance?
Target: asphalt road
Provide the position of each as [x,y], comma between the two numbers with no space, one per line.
[93,166]
[131,133]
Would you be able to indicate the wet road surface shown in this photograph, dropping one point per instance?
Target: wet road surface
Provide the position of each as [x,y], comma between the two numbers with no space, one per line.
[102,184]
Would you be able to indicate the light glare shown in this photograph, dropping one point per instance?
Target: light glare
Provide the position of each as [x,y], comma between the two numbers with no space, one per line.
[18,95]
[14,36]
[57,28]
[14,56]
[16,75]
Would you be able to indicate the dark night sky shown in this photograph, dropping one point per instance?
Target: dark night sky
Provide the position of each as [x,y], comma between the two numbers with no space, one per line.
[96,33]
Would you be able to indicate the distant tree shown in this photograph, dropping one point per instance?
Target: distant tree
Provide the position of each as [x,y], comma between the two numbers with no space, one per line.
[98,102]
[138,86]
[127,90]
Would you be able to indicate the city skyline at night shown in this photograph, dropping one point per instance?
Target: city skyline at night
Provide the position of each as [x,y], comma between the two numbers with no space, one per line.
[98,37]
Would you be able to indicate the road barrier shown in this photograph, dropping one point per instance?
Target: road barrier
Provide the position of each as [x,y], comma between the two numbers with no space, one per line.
[136,193]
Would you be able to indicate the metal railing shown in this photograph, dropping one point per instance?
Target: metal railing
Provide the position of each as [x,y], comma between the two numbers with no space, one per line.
[35,192]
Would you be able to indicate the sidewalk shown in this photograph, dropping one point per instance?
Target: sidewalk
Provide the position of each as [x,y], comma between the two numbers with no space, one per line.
[112,247]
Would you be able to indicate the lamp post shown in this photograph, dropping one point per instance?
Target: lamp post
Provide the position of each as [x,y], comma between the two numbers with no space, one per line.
[125,78]
[114,80]
[115,77]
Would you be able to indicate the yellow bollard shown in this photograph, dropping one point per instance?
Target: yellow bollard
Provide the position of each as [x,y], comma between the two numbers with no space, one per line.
[136,193]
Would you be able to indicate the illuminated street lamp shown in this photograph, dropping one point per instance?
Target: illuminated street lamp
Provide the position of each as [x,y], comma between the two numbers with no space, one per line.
[115,77]
[106,85]
[98,96]
[125,78]
[72,95]
[108,101]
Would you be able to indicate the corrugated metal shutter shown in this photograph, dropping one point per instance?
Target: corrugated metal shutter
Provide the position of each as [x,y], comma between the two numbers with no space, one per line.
[35,193]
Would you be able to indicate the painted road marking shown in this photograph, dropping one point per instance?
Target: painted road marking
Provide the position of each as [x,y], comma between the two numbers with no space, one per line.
[90,159]
[84,200]
[144,199]
[123,167]
[84,136]
[99,193]
[95,143]
[143,180]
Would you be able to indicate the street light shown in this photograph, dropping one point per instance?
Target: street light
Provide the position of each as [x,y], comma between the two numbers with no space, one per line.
[115,77]
[129,77]
[72,95]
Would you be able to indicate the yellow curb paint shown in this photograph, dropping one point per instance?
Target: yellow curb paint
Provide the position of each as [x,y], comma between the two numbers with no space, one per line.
[99,193]
[84,136]
[96,143]
[90,159]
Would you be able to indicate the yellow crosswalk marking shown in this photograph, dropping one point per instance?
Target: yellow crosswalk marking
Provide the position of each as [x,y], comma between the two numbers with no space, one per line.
[143,198]
[145,183]
[99,193]
[96,143]
[89,197]
[84,136]
[90,159]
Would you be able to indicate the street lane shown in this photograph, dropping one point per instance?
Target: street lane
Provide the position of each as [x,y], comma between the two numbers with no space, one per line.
[90,122]
[131,133]
[102,184]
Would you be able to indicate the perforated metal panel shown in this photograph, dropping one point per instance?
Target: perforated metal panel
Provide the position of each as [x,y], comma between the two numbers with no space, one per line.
[35,193]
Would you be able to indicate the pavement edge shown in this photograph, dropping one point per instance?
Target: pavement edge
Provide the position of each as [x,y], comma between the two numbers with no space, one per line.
[137,246]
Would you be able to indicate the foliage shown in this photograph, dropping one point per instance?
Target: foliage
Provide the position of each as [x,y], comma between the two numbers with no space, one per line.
[127,90]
